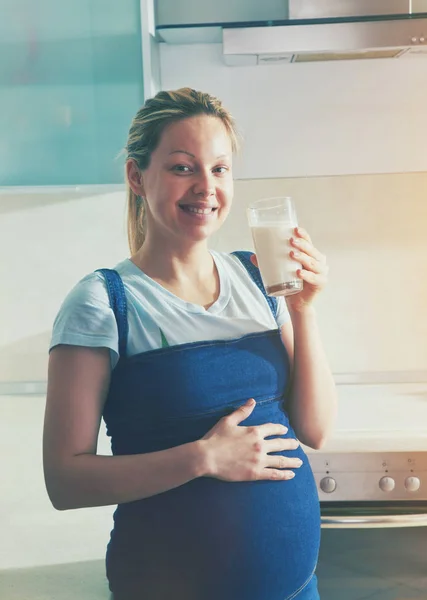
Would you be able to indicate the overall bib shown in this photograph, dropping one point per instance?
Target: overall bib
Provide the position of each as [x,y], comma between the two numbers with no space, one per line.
[207,539]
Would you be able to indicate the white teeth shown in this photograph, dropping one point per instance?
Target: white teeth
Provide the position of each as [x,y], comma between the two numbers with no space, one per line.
[200,211]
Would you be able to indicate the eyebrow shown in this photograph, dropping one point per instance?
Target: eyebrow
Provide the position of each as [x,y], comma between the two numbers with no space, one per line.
[182,152]
[192,155]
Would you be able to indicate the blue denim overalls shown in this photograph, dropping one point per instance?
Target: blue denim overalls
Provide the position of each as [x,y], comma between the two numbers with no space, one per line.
[207,539]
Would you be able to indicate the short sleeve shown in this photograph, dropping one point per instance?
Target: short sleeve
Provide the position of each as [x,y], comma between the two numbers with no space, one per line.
[86,318]
[282,314]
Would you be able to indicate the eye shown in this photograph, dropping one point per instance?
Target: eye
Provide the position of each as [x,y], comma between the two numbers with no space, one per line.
[221,169]
[181,168]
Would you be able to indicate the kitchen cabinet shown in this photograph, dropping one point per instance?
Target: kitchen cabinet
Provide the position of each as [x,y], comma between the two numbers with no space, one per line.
[71,80]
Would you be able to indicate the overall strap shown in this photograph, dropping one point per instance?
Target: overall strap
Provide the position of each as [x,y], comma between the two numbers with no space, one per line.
[245,259]
[117,296]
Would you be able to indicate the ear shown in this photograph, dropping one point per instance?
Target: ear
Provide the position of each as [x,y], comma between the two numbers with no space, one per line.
[135,177]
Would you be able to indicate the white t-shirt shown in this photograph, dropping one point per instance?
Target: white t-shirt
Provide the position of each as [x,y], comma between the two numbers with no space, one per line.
[157,318]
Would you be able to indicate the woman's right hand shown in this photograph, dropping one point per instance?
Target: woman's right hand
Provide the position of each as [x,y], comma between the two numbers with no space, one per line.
[237,453]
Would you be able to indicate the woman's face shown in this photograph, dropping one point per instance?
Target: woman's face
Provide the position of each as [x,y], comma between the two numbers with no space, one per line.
[188,185]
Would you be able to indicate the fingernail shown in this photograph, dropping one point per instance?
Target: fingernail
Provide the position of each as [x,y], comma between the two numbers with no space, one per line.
[298,462]
[291,475]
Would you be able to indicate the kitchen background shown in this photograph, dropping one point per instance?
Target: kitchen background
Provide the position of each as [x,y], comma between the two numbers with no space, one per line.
[346,139]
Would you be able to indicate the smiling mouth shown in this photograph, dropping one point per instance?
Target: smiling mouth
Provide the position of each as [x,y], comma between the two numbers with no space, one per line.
[197,210]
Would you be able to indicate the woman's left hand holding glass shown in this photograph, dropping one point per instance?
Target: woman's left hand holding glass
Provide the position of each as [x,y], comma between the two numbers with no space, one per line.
[314,271]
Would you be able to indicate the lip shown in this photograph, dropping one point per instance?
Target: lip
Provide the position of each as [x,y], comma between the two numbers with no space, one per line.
[201,205]
[206,214]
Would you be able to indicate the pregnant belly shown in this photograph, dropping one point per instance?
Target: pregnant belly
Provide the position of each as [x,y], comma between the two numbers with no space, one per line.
[212,539]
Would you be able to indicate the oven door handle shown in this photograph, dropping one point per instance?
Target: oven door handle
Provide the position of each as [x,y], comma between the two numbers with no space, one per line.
[371,522]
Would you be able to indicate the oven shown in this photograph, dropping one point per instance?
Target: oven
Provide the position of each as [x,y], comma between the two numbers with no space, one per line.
[372,484]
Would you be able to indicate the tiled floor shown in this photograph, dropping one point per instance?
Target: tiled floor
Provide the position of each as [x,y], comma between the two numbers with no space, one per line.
[378,564]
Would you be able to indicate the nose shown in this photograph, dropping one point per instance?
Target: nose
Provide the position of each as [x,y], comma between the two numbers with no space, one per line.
[204,185]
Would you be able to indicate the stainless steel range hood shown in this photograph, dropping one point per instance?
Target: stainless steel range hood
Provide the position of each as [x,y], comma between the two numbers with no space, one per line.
[324,30]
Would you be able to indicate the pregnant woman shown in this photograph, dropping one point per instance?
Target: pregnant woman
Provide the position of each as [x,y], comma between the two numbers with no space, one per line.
[207,386]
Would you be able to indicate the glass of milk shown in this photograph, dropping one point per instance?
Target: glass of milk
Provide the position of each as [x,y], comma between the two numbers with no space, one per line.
[272,222]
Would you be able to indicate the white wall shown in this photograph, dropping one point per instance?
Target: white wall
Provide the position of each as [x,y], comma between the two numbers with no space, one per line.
[48,242]
[303,120]
[33,532]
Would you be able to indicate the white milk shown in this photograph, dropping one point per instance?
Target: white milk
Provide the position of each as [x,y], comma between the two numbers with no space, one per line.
[272,248]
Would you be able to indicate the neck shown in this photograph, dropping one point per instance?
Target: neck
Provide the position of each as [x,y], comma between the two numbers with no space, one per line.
[167,261]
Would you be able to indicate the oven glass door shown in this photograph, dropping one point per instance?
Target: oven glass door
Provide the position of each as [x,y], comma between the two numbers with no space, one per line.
[374,551]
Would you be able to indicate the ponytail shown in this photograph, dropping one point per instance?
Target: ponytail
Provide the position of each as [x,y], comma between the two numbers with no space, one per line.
[135,220]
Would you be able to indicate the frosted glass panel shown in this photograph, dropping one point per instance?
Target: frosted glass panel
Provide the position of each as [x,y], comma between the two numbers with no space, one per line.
[70,83]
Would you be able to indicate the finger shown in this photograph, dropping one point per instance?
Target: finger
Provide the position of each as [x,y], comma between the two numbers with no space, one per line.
[281,444]
[308,262]
[268,429]
[290,444]
[308,248]
[284,462]
[276,474]
[241,413]
[312,278]
[302,233]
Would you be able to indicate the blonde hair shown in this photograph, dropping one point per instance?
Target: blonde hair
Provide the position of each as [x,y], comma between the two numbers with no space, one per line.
[164,108]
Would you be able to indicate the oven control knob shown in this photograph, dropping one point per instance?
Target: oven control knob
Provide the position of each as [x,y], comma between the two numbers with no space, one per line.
[387,484]
[412,484]
[328,485]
